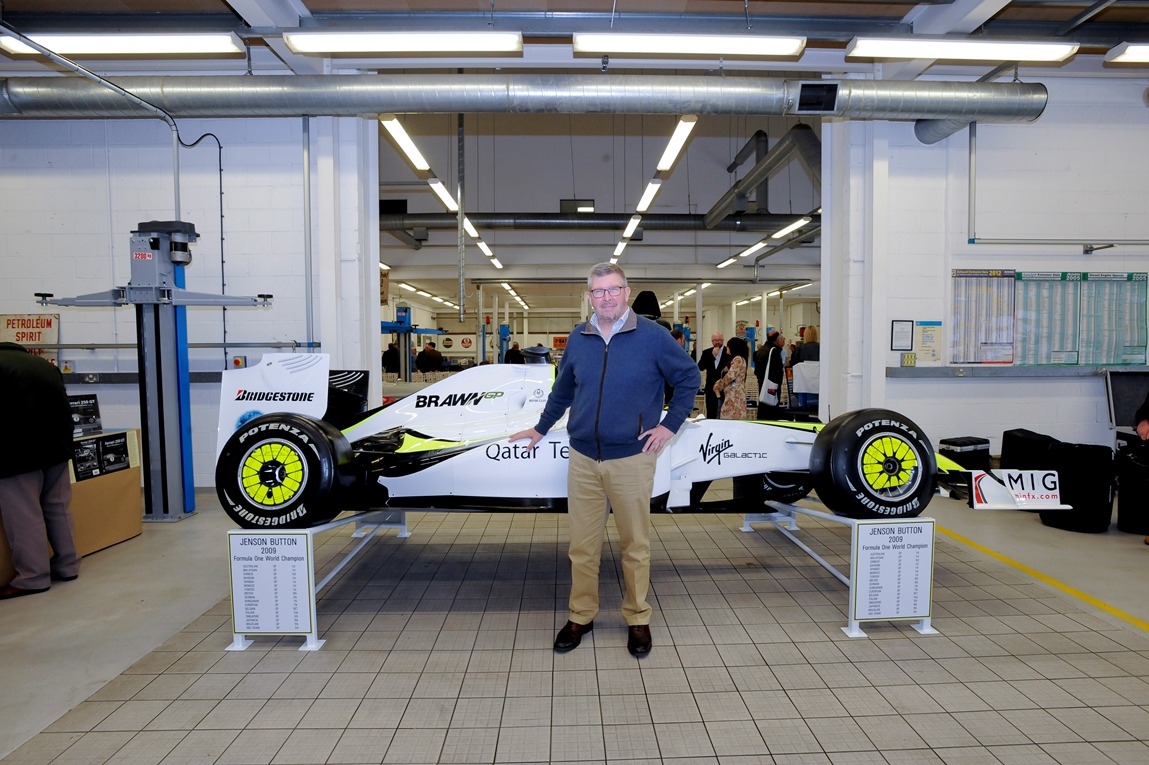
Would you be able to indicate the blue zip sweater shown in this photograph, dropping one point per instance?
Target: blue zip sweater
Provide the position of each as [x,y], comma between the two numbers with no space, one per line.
[616,391]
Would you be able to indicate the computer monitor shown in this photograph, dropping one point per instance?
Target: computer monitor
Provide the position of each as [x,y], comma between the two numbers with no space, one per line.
[1126,391]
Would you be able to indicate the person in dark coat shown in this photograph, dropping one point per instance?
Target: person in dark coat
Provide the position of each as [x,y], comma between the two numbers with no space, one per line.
[714,363]
[429,359]
[770,370]
[391,359]
[514,355]
[35,485]
[1142,418]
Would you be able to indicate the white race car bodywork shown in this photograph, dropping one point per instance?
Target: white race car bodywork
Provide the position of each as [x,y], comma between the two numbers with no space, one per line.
[480,408]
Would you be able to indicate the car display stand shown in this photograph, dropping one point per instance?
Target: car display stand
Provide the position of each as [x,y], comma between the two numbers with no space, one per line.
[273,587]
[891,565]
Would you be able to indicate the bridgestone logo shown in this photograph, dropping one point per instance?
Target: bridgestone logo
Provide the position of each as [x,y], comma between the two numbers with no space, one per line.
[263,395]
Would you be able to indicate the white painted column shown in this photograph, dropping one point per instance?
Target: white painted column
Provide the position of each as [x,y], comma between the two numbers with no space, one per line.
[346,243]
[703,339]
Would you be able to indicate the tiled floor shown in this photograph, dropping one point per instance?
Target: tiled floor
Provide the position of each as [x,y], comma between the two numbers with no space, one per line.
[438,651]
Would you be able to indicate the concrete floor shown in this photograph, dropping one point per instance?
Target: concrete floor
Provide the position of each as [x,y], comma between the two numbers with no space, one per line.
[439,651]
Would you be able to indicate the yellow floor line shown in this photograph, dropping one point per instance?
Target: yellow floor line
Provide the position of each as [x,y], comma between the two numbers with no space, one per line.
[1048,580]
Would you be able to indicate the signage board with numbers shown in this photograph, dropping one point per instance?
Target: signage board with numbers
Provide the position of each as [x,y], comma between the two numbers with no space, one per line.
[892,569]
[271,582]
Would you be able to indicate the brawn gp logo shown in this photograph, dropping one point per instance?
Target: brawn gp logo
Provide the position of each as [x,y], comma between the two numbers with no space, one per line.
[455,399]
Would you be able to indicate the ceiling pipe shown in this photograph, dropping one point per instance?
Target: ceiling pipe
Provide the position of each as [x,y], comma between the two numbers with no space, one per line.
[585,222]
[349,95]
[801,140]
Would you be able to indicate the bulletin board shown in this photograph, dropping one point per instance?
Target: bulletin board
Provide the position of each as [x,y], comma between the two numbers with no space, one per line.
[1032,318]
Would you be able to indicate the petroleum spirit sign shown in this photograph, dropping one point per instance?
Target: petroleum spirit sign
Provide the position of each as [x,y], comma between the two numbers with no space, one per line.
[32,329]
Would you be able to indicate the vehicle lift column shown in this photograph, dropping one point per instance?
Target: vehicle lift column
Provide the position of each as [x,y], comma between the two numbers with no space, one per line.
[159,254]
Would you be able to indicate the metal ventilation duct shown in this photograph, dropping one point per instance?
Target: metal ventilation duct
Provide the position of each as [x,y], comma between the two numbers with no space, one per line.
[346,95]
[802,141]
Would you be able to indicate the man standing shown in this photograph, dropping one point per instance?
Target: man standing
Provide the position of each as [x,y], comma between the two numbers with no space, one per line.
[514,355]
[391,359]
[35,487]
[429,359]
[714,363]
[770,370]
[615,438]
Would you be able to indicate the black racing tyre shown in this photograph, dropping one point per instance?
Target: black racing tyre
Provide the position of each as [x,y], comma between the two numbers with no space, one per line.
[281,471]
[786,488]
[873,463]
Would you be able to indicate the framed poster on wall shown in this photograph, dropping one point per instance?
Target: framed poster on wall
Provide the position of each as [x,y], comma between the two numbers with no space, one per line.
[901,335]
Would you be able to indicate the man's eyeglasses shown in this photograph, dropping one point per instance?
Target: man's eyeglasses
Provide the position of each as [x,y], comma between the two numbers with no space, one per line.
[612,291]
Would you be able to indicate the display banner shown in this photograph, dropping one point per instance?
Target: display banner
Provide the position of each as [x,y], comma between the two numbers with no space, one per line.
[280,382]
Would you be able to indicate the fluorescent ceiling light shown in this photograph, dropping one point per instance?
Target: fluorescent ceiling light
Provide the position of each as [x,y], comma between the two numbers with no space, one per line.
[407,286]
[775,292]
[727,262]
[618,248]
[963,49]
[742,302]
[689,292]
[441,190]
[495,262]
[725,46]
[704,285]
[648,195]
[507,287]
[1129,53]
[421,292]
[753,249]
[486,249]
[391,122]
[791,228]
[438,299]
[404,42]
[677,141]
[129,44]
[755,299]
[470,228]
[799,287]
[631,225]
[586,208]
[384,267]
[613,261]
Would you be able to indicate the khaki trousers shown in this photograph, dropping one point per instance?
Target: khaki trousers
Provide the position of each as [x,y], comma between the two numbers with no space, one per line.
[626,485]
[34,509]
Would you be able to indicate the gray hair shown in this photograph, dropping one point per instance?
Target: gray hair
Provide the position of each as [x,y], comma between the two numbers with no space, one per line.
[599,270]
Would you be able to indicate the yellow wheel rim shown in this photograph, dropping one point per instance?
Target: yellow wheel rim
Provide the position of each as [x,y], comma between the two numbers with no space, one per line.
[890,466]
[272,473]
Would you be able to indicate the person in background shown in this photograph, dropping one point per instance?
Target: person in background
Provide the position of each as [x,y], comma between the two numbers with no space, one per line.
[35,485]
[680,337]
[1142,418]
[429,359]
[391,359]
[714,363]
[616,428]
[513,355]
[732,384]
[769,368]
[809,350]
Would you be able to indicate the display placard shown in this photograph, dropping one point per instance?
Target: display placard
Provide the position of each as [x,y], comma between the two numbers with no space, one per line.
[271,582]
[892,569]
[85,415]
[32,329]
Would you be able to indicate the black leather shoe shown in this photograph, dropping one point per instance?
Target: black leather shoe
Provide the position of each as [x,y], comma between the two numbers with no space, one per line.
[8,591]
[571,635]
[71,578]
[639,641]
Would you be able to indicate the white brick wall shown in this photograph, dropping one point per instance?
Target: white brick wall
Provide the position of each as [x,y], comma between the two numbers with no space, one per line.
[74,190]
[1081,171]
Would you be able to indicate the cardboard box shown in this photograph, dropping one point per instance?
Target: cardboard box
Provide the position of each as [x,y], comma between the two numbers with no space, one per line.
[107,507]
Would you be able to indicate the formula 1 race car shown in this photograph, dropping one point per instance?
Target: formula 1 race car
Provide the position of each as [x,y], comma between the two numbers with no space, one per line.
[445,448]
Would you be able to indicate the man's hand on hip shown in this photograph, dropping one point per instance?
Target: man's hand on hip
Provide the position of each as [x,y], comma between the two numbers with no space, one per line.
[532,434]
[658,439]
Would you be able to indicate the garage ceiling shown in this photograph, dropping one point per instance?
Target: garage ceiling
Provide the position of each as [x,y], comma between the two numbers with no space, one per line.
[547,26]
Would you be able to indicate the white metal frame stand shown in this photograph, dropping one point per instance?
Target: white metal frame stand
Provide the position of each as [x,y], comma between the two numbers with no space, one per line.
[785,519]
[366,524]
